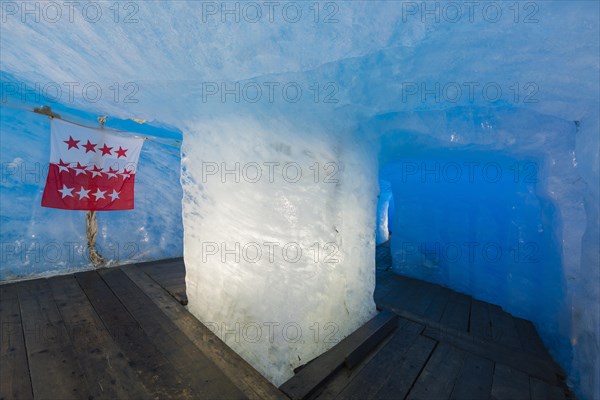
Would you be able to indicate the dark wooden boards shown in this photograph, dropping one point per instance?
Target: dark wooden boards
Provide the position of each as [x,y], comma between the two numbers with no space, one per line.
[509,384]
[474,380]
[382,325]
[97,334]
[153,369]
[54,368]
[196,370]
[105,366]
[14,369]
[436,381]
[491,350]
[117,333]
[541,390]
[245,377]
[309,378]
[170,275]
[370,380]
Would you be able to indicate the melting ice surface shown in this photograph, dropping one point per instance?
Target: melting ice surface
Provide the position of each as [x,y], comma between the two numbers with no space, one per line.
[378,55]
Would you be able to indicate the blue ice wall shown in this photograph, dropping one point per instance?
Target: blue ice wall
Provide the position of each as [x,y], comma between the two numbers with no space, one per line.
[37,241]
[494,203]
[476,222]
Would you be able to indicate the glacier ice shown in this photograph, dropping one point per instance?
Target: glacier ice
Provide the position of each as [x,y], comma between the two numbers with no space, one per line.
[386,66]
[278,237]
[385,216]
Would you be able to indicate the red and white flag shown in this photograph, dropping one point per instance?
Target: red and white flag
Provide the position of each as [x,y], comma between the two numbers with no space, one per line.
[90,169]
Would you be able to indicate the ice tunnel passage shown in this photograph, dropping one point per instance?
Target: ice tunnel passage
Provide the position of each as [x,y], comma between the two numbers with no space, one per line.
[377,59]
[479,209]
[480,223]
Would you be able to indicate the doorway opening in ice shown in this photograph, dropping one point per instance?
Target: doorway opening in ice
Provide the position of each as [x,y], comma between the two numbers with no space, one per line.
[478,222]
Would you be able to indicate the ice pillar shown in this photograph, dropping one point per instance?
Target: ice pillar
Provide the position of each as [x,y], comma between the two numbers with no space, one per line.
[279,237]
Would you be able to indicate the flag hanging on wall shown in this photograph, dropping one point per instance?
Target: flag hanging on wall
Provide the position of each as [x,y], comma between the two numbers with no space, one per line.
[90,169]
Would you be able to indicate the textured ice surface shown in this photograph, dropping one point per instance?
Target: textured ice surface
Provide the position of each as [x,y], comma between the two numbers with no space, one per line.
[385,206]
[371,53]
[279,237]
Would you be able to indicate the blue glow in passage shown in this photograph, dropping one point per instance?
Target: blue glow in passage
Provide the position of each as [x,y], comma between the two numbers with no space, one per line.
[479,223]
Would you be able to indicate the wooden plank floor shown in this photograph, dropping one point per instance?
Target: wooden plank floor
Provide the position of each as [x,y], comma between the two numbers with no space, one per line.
[125,333]
[447,345]
[114,334]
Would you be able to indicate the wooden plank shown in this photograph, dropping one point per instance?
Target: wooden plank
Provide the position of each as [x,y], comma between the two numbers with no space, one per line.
[178,293]
[377,372]
[529,338]
[337,382]
[402,293]
[197,371]
[510,384]
[541,390]
[177,261]
[438,304]
[308,379]
[503,327]
[383,286]
[155,372]
[421,298]
[167,271]
[480,324]
[370,342]
[404,374]
[475,379]
[105,366]
[436,381]
[55,371]
[456,314]
[14,370]
[519,360]
[245,377]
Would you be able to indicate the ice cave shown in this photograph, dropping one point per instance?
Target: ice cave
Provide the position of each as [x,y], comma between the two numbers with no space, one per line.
[333,199]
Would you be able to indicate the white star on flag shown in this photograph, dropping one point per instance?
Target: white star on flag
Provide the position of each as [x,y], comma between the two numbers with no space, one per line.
[80,169]
[114,195]
[83,193]
[90,169]
[112,173]
[99,194]
[63,167]
[65,191]
[96,171]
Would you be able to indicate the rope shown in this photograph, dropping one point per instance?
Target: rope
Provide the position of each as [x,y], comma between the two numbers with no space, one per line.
[91,231]
[95,127]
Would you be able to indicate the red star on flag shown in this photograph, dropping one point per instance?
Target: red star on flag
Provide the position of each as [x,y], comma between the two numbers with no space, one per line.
[89,146]
[80,169]
[63,166]
[121,152]
[72,143]
[105,150]
[97,176]
[96,171]
[112,173]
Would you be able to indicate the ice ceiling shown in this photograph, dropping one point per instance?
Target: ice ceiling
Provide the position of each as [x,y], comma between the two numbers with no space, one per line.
[381,83]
